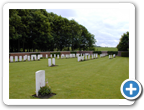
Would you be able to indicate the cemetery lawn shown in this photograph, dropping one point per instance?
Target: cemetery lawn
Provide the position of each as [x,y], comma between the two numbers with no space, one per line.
[93,79]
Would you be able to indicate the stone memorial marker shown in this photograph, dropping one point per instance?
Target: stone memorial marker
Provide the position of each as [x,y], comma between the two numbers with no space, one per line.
[92,56]
[16,58]
[49,62]
[57,56]
[20,58]
[28,58]
[46,56]
[54,55]
[31,57]
[96,55]
[40,80]
[24,58]
[85,57]
[53,61]
[88,56]
[11,58]
[51,55]
[109,57]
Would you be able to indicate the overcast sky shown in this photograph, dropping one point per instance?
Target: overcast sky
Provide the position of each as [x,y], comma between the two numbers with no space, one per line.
[106,24]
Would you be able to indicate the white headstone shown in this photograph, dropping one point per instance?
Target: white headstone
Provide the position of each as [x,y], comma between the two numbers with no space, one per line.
[16,58]
[57,56]
[54,55]
[92,56]
[24,58]
[51,55]
[31,57]
[46,56]
[96,55]
[53,61]
[88,56]
[109,56]
[40,80]
[85,57]
[11,58]
[28,58]
[20,58]
[49,62]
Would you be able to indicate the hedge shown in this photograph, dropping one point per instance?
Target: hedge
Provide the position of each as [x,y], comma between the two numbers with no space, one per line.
[112,52]
[98,52]
[124,54]
[73,52]
[57,53]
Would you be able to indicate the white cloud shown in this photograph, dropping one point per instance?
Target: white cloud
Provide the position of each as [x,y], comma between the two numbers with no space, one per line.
[106,24]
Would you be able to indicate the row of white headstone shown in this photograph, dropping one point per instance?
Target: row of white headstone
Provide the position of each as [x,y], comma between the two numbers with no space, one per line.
[86,56]
[26,57]
[103,55]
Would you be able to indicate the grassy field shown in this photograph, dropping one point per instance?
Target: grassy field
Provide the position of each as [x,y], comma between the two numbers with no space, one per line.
[106,49]
[93,79]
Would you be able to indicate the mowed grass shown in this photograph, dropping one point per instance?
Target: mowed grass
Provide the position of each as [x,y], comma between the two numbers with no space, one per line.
[93,79]
[106,49]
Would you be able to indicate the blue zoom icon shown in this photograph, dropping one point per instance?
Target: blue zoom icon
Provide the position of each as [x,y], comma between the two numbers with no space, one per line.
[130,89]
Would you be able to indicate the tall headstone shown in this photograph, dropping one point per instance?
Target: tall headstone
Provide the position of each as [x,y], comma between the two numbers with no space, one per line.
[57,56]
[96,56]
[51,55]
[53,61]
[16,58]
[20,58]
[54,55]
[88,56]
[49,62]
[31,57]
[11,58]
[46,56]
[85,57]
[28,58]
[40,80]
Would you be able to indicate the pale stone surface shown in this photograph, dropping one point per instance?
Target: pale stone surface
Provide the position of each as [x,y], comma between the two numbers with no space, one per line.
[57,56]
[20,58]
[53,61]
[96,55]
[49,62]
[46,56]
[88,56]
[11,58]
[85,57]
[51,55]
[28,58]
[16,58]
[109,56]
[31,57]
[40,80]
[92,56]
[54,55]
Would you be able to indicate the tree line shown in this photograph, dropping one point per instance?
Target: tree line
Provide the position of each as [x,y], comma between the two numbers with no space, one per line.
[37,29]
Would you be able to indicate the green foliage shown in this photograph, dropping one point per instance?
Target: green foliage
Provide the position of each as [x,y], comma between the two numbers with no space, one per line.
[124,42]
[73,52]
[57,53]
[98,52]
[112,52]
[44,91]
[34,54]
[36,29]
[124,54]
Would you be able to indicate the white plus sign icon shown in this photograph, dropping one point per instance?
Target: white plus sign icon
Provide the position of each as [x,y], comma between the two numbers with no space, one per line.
[131,89]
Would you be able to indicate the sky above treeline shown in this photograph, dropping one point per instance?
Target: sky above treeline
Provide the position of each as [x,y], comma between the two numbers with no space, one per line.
[108,25]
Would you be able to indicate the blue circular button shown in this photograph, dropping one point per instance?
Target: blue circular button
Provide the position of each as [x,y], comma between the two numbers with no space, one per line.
[130,89]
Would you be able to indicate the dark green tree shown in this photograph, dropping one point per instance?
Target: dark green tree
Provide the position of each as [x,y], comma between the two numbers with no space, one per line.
[124,42]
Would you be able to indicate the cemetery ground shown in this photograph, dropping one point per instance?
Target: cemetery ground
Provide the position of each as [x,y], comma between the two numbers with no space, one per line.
[93,79]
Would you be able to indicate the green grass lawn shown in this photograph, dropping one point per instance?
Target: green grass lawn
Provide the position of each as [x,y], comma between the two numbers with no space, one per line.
[94,79]
[106,49]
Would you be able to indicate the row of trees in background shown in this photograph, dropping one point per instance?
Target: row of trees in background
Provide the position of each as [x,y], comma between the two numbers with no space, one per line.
[36,29]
